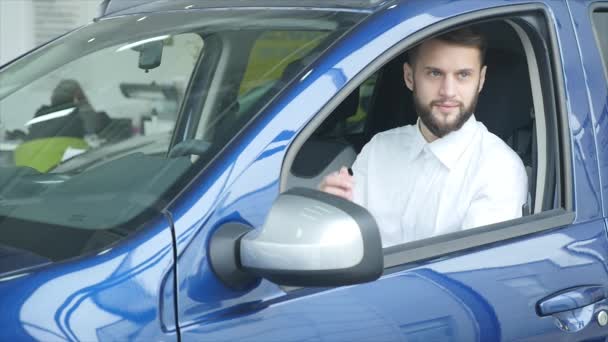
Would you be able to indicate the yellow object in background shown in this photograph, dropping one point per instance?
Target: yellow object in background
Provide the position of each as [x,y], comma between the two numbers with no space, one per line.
[273,51]
[45,153]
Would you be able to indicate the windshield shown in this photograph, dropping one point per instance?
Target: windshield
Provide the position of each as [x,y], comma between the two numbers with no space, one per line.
[86,121]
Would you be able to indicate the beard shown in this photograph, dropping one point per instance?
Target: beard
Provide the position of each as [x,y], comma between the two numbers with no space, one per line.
[436,123]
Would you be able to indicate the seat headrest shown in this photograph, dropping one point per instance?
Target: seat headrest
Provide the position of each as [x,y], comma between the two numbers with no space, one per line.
[505,102]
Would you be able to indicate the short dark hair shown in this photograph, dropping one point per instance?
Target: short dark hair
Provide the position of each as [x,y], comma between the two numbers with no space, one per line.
[470,36]
[65,92]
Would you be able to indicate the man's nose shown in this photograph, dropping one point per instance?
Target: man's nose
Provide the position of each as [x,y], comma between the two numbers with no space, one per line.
[448,87]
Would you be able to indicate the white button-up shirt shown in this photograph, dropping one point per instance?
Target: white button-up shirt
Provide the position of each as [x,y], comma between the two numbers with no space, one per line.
[415,190]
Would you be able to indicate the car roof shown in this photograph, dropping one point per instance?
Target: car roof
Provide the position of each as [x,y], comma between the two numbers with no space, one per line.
[124,7]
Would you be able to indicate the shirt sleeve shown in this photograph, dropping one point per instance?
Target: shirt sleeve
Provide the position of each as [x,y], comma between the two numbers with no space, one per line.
[501,195]
[360,172]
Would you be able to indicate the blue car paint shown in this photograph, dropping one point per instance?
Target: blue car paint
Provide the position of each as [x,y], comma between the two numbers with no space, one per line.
[487,294]
[354,53]
[480,294]
[587,196]
[131,281]
[596,83]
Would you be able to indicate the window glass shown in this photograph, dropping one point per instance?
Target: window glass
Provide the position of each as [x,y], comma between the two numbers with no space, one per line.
[57,122]
[276,57]
[272,52]
[86,122]
[348,120]
[600,23]
[356,123]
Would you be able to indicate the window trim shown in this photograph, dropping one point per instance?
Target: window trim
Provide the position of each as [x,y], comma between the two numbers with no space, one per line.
[200,79]
[464,240]
[409,253]
[539,108]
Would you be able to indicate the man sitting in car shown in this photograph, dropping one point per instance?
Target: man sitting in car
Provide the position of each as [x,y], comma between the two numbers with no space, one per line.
[448,172]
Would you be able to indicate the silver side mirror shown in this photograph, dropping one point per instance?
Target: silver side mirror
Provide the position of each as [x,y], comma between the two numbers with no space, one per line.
[310,238]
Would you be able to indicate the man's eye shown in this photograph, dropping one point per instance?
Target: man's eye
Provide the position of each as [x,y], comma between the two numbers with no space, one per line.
[464,74]
[434,73]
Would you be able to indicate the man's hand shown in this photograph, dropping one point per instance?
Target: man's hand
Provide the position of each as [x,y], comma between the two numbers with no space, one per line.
[339,183]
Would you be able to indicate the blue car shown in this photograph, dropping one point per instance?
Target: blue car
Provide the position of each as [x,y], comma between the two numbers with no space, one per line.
[219,232]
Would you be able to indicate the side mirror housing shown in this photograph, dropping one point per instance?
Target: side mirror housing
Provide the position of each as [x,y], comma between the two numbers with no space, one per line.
[310,238]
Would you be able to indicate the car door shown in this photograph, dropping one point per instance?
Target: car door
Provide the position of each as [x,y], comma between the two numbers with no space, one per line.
[514,280]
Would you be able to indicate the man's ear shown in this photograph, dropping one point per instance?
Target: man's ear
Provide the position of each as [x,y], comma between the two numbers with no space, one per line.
[482,78]
[408,75]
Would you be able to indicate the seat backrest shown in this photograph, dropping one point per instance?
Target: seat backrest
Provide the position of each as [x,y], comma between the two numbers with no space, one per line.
[505,102]
[391,104]
[505,107]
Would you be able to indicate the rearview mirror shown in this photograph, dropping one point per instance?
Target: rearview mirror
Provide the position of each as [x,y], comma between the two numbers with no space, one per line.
[150,54]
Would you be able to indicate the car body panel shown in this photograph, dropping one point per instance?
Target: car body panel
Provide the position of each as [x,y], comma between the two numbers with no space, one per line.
[124,291]
[587,198]
[596,82]
[479,296]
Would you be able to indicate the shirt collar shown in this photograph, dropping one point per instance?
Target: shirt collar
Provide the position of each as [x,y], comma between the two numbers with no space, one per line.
[449,148]
[419,142]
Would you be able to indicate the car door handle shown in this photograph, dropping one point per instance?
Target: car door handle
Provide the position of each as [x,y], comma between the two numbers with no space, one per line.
[570,299]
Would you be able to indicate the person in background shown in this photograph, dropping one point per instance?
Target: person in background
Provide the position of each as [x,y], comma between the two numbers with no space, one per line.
[69,93]
[67,127]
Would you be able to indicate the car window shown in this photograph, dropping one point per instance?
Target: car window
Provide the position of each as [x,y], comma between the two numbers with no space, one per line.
[600,23]
[87,122]
[345,127]
[524,130]
[272,52]
[352,123]
[356,123]
[100,100]
[276,57]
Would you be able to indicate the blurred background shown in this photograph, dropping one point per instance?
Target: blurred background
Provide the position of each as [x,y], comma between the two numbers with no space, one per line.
[25,24]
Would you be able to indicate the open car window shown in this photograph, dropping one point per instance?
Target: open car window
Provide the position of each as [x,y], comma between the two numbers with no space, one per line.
[516,63]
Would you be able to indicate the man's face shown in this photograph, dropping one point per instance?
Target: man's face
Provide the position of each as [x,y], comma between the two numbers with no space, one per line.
[446,80]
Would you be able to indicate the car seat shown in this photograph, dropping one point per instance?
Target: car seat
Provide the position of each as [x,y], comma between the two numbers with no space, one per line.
[505,107]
